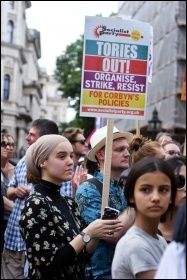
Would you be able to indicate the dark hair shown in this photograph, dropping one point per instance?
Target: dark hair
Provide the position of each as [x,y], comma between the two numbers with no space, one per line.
[71,132]
[144,166]
[91,166]
[45,126]
[32,179]
[179,232]
[176,163]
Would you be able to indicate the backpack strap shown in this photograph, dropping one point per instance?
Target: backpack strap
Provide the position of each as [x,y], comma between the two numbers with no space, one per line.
[97,183]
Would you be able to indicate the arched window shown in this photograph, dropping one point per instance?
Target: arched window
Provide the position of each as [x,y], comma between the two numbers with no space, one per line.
[11,4]
[10,29]
[6,90]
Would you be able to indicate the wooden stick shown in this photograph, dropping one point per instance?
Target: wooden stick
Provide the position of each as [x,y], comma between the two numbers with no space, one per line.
[184,150]
[137,127]
[107,165]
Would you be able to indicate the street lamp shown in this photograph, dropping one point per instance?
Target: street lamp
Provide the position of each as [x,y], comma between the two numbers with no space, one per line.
[154,125]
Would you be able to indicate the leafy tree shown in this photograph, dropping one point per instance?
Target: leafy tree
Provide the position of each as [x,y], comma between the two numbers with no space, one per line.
[69,73]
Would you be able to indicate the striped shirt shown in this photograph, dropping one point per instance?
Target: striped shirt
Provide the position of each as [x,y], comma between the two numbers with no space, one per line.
[13,238]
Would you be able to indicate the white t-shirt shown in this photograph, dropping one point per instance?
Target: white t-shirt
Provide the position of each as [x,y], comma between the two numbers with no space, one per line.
[136,251]
[173,262]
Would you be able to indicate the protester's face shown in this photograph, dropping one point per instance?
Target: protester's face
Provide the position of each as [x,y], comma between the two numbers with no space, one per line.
[12,147]
[80,146]
[32,135]
[4,148]
[171,150]
[152,195]
[181,192]
[58,167]
[120,154]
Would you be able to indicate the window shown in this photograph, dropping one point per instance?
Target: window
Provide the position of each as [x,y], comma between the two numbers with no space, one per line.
[6,90]
[11,4]
[10,29]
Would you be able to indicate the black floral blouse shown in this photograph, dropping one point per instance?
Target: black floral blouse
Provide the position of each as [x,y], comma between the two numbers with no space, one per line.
[48,223]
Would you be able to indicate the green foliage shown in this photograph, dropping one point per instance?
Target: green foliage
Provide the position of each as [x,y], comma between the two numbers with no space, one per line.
[69,73]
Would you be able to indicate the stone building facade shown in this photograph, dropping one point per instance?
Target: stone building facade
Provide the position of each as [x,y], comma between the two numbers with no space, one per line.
[168,19]
[27,91]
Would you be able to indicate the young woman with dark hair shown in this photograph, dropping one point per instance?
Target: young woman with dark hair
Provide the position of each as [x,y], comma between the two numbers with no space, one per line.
[150,188]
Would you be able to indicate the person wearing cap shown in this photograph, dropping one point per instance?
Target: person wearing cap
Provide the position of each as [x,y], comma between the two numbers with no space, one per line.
[89,198]
[54,233]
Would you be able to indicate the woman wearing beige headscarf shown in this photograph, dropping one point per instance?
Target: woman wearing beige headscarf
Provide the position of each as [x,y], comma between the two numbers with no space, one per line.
[56,240]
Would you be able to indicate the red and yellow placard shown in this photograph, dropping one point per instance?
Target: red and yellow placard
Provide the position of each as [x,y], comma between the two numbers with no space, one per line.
[115,68]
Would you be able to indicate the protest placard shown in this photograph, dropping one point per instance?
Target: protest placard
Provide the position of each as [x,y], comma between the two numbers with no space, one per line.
[116,67]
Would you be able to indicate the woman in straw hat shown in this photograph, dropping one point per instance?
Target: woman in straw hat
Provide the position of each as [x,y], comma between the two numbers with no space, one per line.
[55,237]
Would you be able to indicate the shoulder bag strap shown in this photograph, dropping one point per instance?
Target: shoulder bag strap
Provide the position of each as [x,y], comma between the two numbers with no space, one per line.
[97,183]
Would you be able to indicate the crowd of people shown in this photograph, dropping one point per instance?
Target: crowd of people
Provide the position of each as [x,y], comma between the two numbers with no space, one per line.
[51,206]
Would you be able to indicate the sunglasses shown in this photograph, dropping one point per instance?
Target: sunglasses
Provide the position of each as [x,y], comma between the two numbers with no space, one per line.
[4,144]
[83,142]
[11,145]
[181,181]
[172,153]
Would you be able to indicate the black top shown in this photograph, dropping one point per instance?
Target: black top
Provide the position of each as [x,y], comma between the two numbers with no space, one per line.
[179,232]
[4,186]
[49,221]
[160,233]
